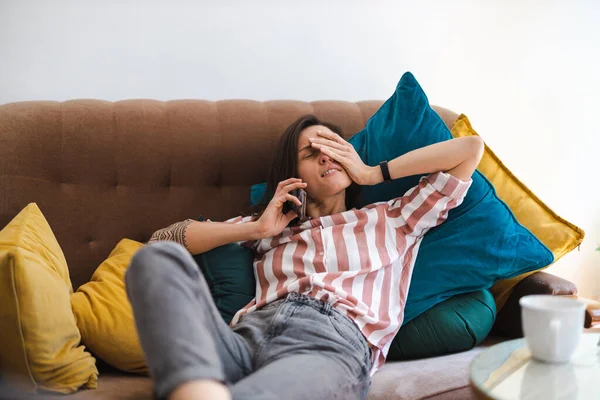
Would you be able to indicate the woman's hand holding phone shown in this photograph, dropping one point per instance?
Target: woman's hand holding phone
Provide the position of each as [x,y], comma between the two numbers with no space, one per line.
[273,220]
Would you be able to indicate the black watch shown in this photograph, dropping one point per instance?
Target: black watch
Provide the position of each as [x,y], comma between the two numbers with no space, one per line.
[385,171]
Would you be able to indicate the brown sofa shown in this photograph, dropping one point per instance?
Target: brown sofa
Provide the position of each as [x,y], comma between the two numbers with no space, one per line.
[102,171]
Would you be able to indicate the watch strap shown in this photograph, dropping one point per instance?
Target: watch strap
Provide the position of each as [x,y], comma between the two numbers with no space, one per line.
[385,171]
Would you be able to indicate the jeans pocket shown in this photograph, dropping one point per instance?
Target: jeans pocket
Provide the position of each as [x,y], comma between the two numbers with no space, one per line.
[351,334]
[348,330]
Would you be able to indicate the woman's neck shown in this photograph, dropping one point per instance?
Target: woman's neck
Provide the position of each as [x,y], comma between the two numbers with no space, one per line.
[329,206]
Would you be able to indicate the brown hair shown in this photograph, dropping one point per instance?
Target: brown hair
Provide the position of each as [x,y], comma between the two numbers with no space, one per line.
[285,164]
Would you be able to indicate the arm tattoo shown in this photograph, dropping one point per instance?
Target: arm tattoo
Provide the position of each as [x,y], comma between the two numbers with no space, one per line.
[174,232]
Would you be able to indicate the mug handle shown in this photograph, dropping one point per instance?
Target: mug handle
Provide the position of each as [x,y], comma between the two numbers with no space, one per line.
[554,328]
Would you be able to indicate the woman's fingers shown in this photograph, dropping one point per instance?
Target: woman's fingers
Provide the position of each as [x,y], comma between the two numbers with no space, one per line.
[289,184]
[333,137]
[293,198]
[288,197]
[288,181]
[326,142]
[333,153]
[282,193]
[294,185]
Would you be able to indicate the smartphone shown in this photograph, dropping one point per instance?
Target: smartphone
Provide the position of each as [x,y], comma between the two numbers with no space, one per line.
[299,209]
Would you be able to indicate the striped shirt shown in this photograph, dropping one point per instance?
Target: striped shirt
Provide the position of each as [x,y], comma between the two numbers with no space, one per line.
[360,260]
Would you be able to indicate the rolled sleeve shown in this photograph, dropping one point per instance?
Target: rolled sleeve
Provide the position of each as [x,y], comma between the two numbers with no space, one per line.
[427,204]
[448,185]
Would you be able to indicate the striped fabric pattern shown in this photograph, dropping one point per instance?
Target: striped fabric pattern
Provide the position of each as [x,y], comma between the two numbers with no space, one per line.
[360,260]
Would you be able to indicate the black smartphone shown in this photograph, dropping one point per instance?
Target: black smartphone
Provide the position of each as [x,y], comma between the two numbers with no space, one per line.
[299,209]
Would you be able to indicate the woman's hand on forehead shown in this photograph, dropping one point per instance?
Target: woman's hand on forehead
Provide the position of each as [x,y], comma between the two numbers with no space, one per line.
[333,136]
[336,147]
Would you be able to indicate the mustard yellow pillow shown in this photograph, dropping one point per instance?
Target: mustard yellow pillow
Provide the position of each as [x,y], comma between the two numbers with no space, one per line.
[39,340]
[559,235]
[104,315]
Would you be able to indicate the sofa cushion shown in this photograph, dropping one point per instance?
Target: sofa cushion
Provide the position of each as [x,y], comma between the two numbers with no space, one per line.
[104,315]
[39,341]
[443,378]
[428,378]
[454,325]
[480,242]
[559,235]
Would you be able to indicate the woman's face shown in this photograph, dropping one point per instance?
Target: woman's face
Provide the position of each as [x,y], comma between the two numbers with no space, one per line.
[312,164]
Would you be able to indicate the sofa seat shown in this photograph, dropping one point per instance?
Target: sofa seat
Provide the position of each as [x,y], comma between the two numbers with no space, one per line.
[440,378]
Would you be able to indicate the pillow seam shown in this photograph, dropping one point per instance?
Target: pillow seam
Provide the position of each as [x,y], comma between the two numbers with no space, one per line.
[21,331]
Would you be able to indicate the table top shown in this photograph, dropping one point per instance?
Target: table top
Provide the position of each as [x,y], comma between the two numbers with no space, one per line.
[506,371]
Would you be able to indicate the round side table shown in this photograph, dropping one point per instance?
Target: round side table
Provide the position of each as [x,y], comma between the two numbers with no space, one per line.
[506,371]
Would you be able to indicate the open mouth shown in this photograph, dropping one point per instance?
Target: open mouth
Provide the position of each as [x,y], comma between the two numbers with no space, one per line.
[329,173]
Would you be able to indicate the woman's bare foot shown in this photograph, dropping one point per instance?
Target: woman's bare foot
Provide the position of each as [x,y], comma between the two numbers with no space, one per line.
[201,389]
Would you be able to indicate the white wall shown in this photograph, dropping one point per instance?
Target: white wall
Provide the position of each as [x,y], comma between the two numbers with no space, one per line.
[525,72]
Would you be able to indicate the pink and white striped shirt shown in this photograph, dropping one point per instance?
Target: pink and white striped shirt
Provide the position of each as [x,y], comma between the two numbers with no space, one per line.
[360,261]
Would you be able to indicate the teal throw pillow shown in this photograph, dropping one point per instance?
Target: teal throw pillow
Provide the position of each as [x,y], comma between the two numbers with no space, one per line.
[480,242]
[456,324]
[230,276]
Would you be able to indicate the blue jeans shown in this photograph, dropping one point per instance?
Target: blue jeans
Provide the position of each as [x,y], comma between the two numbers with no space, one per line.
[294,348]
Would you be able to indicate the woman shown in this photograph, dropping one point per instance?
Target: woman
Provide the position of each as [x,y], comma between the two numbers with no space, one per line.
[330,290]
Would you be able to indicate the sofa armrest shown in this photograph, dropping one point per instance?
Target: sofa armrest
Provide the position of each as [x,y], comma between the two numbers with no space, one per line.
[508,320]
[448,116]
[592,312]
[592,315]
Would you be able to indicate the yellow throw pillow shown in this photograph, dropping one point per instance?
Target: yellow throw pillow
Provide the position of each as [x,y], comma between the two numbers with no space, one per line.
[559,235]
[39,340]
[104,315]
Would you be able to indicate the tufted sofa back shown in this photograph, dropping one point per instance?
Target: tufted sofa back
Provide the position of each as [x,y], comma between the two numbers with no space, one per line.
[102,171]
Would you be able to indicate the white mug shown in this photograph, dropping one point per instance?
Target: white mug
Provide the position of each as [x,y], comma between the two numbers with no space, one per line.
[552,326]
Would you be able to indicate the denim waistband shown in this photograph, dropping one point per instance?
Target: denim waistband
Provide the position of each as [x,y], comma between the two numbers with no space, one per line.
[322,306]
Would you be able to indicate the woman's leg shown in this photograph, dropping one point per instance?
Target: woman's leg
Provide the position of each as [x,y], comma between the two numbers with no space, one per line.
[183,336]
[309,351]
